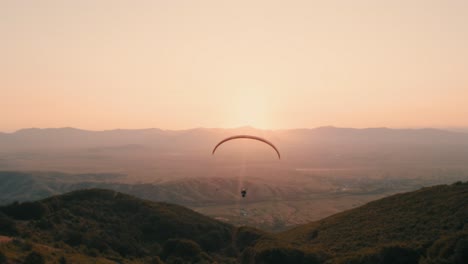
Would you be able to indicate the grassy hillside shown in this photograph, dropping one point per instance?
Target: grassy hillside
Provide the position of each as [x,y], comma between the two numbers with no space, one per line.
[429,225]
[117,226]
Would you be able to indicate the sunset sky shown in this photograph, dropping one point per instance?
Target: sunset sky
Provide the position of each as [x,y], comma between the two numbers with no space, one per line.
[211,63]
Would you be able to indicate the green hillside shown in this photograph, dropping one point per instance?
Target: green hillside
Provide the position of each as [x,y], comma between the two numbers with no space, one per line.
[118,226]
[429,225]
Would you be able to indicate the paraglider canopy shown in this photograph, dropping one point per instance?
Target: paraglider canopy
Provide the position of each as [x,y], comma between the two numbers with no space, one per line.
[247,137]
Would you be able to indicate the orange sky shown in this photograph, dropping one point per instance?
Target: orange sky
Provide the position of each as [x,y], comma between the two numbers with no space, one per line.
[212,63]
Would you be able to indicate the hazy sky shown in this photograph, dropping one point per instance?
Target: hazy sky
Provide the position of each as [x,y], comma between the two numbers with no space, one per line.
[271,64]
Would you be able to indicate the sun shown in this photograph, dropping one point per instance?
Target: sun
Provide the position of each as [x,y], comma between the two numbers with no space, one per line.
[250,110]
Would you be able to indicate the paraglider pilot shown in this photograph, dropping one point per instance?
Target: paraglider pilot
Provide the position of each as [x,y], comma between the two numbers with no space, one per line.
[243,192]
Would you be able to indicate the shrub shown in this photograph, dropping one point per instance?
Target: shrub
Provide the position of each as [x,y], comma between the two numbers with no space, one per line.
[62,260]
[397,254]
[25,211]
[247,237]
[3,259]
[34,258]
[44,224]
[461,251]
[7,226]
[450,249]
[73,238]
[279,255]
[156,260]
[215,239]
[182,248]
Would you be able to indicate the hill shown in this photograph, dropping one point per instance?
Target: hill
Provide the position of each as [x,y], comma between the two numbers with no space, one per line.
[429,225]
[16,186]
[115,226]
[272,204]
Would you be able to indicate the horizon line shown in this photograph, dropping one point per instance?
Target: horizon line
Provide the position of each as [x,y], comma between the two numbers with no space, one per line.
[449,129]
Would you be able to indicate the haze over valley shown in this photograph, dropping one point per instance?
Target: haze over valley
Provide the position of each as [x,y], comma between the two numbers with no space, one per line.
[322,171]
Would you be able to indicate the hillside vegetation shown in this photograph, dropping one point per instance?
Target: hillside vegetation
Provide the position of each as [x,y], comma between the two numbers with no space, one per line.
[117,226]
[427,226]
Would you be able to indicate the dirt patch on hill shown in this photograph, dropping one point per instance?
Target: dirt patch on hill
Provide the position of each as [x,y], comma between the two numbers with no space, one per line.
[5,239]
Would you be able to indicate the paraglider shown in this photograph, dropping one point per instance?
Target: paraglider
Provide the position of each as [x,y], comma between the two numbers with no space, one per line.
[248,137]
[244,191]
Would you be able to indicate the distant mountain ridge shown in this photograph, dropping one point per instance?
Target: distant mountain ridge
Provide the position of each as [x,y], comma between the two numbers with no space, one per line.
[323,145]
[138,153]
[77,138]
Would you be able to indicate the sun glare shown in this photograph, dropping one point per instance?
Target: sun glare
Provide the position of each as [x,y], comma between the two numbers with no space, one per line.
[250,109]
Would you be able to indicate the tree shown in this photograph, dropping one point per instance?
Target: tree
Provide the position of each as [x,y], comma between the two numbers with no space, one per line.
[279,255]
[34,258]
[62,260]
[398,254]
[3,259]
[156,260]
[181,248]
[461,251]
[7,226]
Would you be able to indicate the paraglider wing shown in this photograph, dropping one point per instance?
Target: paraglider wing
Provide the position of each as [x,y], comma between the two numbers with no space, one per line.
[248,137]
